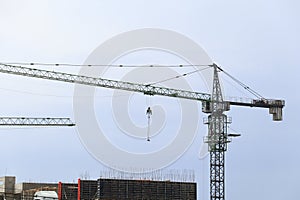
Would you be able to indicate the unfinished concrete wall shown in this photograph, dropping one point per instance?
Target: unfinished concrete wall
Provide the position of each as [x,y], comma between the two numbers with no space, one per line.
[7,188]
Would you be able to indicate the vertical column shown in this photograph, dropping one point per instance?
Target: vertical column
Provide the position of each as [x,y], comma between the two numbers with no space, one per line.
[79,189]
[59,191]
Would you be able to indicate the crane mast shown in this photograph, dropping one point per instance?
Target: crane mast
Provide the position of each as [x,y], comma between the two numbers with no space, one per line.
[213,104]
[217,140]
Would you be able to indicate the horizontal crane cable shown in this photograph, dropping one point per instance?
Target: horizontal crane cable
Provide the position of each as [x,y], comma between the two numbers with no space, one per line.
[242,84]
[179,76]
[100,65]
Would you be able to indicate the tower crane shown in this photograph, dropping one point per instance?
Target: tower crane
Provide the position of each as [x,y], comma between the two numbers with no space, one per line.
[212,104]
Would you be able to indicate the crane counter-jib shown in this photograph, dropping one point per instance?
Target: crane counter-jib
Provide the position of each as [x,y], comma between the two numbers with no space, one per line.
[275,106]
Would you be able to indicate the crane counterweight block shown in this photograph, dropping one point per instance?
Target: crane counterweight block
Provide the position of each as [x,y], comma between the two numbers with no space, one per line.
[276,111]
[275,107]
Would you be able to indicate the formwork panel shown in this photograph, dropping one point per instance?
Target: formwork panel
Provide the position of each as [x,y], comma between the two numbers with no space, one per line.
[87,189]
[68,191]
[145,189]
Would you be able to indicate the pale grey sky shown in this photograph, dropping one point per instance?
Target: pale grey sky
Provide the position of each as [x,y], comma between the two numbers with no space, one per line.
[256,41]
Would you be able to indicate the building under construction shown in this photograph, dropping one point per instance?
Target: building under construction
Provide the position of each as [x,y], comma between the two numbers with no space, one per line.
[103,188]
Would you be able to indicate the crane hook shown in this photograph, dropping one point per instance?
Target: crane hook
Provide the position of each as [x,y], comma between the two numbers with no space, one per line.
[148,113]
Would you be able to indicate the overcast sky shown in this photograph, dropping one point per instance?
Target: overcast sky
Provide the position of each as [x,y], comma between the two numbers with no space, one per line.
[256,41]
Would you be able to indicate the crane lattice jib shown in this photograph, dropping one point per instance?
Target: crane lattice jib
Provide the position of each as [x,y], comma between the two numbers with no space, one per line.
[24,121]
[100,82]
